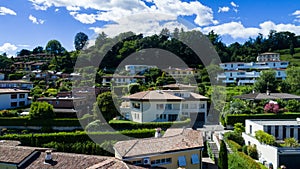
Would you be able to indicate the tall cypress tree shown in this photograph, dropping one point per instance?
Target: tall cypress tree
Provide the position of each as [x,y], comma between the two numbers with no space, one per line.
[223,158]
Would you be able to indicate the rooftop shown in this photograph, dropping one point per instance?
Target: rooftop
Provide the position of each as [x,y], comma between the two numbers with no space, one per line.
[276,122]
[263,96]
[34,158]
[15,81]
[174,140]
[7,91]
[153,95]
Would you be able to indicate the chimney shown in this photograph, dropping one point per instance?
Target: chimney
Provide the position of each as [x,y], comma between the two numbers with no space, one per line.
[157,132]
[48,157]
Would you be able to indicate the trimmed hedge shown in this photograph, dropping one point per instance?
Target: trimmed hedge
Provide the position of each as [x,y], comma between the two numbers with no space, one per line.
[241,160]
[25,121]
[123,124]
[234,146]
[38,140]
[231,119]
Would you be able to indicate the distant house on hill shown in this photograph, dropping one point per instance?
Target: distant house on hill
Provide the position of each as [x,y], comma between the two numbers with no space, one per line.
[13,98]
[268,96]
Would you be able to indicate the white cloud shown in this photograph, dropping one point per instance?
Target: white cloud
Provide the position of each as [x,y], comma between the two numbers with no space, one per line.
[238,30]
[296,12]
[73,8]
[56,10]
[223,9]
[84,18]
[115,9]
[35,20]
[8,48]
[6,11]
[234,4]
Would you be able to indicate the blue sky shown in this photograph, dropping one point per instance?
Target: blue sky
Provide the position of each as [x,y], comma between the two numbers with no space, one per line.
[30,23]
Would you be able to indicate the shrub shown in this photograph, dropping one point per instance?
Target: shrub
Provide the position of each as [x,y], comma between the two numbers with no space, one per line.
[265,138]
[293,105]
[234,146]
[223,156]
[241,160]
[291,142]
[271,107]
[245,149]
[239,128]
[41,110]
[8,113]
[252,152]
[234,137]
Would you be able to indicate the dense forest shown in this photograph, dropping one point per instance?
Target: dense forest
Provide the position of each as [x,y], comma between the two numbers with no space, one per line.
[112,51]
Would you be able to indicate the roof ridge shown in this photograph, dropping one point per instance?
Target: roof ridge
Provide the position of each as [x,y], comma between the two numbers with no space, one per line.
[131,147]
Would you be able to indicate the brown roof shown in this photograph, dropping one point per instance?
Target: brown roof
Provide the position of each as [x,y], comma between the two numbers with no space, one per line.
[183,140]
[176,85]
[7,91]
[33,158]
[153,95]
[14,155]
[262,96]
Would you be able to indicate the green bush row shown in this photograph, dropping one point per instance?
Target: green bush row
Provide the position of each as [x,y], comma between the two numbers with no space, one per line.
[38,140]
[240,118]
[234,146]
[241,160]
[122,124]
[24,121]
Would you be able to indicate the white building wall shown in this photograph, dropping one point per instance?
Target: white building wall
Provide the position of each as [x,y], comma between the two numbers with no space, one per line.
[252,126]
[1,76]
[4,101]
[266,153]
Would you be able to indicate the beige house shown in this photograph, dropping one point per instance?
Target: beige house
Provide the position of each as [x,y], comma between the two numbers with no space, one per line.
[180,72]
[177,148]
[165,105]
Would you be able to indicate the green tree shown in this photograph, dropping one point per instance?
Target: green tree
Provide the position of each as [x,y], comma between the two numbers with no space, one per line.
[239,128]
[223,156]
[292,78]
[80,40]
[37,50]
[134,88]
[252,152]
[54,47]
[266,81]
[106,105]
[41,110]
[265,138]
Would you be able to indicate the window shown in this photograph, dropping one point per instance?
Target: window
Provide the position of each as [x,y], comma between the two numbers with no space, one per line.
[178,94]
[22,95]
[250,129]
[181,161]
[176,106]
[136,105]
[201,106]
[137,162]
[14,96]
[161,161]
[22,103]
[291,132]
[13,104]
[276,131]
[195,159]
[193,106]
[168,106]
[159,106]
[185,106]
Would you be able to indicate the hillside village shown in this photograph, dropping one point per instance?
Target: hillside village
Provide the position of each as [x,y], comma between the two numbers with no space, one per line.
[244,111]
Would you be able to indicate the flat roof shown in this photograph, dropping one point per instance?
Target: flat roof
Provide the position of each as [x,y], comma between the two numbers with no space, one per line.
[7,91]
[277,122]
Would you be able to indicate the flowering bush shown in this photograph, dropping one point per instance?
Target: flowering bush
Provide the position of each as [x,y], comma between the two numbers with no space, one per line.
[271,107]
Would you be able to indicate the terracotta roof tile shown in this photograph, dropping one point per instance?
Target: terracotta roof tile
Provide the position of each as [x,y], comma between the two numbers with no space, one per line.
[185,139]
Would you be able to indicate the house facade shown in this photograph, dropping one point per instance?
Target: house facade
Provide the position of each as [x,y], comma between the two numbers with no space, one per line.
[177,148]
[246,73]
[121,80]
[268,56]
[13,98]
[280,129]
[180,72]
[134,69]
[164,105]
[18,84]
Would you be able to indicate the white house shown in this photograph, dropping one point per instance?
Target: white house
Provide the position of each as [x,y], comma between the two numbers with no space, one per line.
[180,72]
[268,56]
[121,80]
[247,73]
[165,105]
[134,69]
[13,98]
[280,129]
[19,84]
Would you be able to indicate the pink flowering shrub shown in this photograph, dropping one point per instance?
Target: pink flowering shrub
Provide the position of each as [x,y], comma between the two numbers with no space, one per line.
[271,107]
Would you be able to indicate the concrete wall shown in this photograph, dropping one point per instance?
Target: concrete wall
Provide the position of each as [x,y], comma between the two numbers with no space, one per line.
[255,127]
